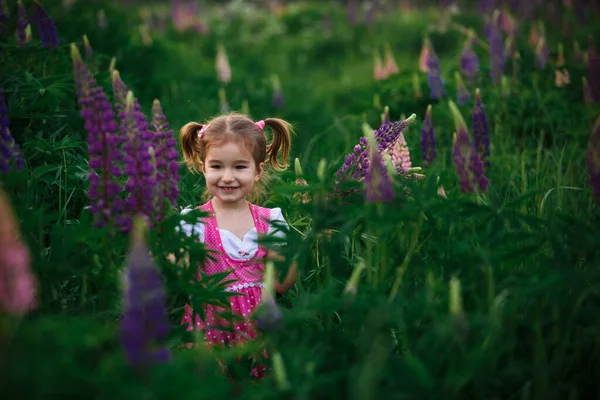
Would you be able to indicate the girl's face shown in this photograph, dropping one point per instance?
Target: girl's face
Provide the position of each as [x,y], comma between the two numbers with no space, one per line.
[230,172]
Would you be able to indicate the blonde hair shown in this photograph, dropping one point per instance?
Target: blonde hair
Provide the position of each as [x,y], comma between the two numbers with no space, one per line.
[239,129]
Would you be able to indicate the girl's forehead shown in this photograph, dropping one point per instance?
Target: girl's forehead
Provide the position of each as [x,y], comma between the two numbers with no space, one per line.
[227,151]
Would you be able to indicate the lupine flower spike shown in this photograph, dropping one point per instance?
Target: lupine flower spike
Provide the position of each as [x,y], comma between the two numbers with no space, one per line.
[9,149]
[88,48]
[469,168]
[18,286]
[222,65]
[278,100]
[469,63]
[268,314]
[378,183]
[424,56]
[300,181]
[436,84]
[593,161]
[561,74]
[391,67]
[587,93]
[428,149]
[542,53]
[462,94]
[46,26]
[480,129]
[496,49]
[379,72]
[145,321]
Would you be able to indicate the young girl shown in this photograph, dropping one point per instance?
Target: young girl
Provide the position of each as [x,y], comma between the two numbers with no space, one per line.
[231,152]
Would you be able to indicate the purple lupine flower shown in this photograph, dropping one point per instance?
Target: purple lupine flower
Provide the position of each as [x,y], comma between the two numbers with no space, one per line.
[593,75]
[141,181]
[357,162]
[119,93]
[352,9]
[487,6]
[462,94]
[496,49]
[468,164]
[268,315]
[46,26]
[9,149]
[22,23]
[277,100]
[592,160]
[428,149]
[102,140]
[480,130]
[436,84]
[385,117]
[377,184]
[144,323]
[167,168]
[469,63]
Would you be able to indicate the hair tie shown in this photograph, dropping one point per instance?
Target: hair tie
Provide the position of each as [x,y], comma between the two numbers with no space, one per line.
[260,124]
[201,131]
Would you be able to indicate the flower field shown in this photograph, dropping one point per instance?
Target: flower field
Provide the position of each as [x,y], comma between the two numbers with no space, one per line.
[443,199]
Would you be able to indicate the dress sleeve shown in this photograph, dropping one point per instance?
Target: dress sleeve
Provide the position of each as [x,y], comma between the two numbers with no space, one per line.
[278,226]
[191,229]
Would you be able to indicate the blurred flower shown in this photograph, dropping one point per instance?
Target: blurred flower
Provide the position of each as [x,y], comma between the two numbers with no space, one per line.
[593,64]
[88,48]
[377,184]
[222,65]
[167,168]
[436,84]
[144,321]
[101,19]
[462,94]
[504,87]
[3,16]
[277,100]
[145,34]
[141,182]
[469,168]
[428,149]
[390,67]
[223,104]
[416,80]
[542,53]
[352,8]
[45,25]
[424,56]
[300,181]
[577,54]
[22,24]
[561,74]
[385,116]
[534,36]
[379,72]
[480,129]
[496,49]
[9,149]
[469,63]
[401,154]
[18,286]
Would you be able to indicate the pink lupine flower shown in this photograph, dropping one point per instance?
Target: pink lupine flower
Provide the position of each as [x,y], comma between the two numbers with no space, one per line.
[17,283]
[423,57]
[222,65]
[390,67]
[400,153]
[561,74]
[379,72]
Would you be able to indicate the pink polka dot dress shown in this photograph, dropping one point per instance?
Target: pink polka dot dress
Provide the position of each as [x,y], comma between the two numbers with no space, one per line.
[247,276]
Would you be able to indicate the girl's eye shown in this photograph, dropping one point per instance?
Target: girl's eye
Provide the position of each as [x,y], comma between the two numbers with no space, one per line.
[215,166]
[241,167]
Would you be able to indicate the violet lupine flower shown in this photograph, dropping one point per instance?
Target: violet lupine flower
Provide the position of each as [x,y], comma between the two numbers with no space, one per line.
[103,138]
[357,162]
[46,26]
[480,129]
[352,9]
[496,49]
[9,149]
[167,168]
[468,164]
[469,63]
[119,93]
[222,65]
[462,94]
[385,117]
[144,323]
[592,160]
[88,48]
[141,181]
[22,24]
[593,75]
[436,84]
[428,149]
[487,6]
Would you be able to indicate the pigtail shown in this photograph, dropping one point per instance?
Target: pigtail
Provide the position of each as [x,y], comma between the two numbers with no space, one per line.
[190,145]
[281,143]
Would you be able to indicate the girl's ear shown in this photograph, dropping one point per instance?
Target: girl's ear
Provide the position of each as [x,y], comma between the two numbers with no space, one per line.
[259,171]
[201,163]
